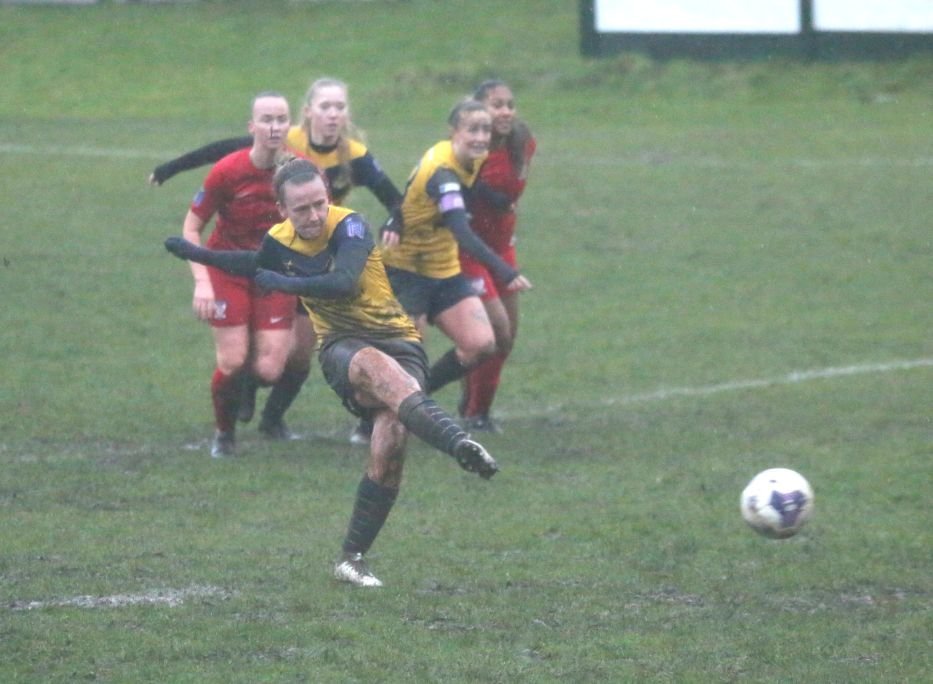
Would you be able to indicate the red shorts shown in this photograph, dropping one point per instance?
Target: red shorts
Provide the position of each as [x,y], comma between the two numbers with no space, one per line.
[482,281]
[238,302]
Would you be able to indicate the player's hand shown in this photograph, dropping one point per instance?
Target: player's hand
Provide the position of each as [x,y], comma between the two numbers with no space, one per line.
[159,175]
[390,232]
[390,239]
[203,303]
[518,284]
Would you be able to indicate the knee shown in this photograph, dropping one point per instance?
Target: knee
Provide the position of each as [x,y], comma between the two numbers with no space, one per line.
[230,361]
[299,362]
[268,369]
[504,346]
[475,354]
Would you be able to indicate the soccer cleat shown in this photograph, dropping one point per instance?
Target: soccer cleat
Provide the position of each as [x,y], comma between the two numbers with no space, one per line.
[474,458]
[362,434]
[223,444]
[247,405]
[277,431]
[482,423]
[353,570]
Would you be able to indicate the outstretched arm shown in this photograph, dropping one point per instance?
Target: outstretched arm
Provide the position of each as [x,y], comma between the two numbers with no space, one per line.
[445,188]
[386,192]
[499,200]
[459,223]
[367,171]
[351,244]
[235,262]
[336,284]
[208,154]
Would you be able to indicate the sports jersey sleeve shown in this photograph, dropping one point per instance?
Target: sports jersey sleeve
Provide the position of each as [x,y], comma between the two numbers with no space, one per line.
[208,154]
[351,244]
[481,190]
[210,196]
[367,172]
[445,189]
[235,262]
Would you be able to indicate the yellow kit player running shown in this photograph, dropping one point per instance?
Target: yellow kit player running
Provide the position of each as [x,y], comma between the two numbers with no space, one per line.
[370,351]
[424,239]
[423,242]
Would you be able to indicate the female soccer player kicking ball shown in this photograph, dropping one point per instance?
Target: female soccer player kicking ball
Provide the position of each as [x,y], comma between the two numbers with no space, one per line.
[371,352]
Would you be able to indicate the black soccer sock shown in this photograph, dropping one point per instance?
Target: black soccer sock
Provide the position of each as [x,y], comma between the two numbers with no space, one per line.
[445,370]
[248,387]
[421,415]
[373,503]
[282,395]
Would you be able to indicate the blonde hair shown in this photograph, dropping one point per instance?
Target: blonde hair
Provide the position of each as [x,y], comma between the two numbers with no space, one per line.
[349,132]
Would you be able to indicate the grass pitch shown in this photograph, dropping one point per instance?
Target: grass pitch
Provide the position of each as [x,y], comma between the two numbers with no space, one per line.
[732,271]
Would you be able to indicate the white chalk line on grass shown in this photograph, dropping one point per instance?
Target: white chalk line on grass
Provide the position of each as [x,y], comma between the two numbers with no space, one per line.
[176,597]
[651,159]
[155,597]
[771,162]
[791,378]
[101,152]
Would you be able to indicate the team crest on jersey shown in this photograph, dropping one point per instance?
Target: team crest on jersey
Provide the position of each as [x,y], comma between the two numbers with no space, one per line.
[355,229]
[198,198]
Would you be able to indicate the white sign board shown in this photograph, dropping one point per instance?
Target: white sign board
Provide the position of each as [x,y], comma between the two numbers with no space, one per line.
[882,16]
[698,16]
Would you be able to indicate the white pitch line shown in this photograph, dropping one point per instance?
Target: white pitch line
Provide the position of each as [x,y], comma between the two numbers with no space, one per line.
[661,161]
[156,597]
[101,152]
[648,159]
[791,378]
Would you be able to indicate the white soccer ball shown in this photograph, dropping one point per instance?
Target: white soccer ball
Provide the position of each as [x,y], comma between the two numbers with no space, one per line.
[777,502]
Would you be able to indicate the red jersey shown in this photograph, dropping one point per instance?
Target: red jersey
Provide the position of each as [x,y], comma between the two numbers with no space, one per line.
[494,226]
[243,199]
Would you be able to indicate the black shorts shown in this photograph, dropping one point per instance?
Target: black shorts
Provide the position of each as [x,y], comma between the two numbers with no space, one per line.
[420,294]
[335,357]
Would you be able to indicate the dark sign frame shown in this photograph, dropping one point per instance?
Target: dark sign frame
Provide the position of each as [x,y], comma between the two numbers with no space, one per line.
[808,43]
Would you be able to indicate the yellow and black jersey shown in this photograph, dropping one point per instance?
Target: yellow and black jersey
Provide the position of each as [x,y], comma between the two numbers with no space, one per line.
[370,311]
[344,169]
[434,187]
[344,165]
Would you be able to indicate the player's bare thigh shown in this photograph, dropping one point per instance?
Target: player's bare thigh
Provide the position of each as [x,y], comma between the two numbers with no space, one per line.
[467,324]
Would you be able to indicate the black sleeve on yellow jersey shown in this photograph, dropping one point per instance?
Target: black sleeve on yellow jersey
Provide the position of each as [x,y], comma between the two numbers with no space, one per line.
[238,262]
[351,244]
[445,182]
[367,172]
[499,200]
[459,223]
[208,154]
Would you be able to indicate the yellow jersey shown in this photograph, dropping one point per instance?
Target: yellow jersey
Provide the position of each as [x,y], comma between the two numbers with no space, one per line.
[372,311]
[427,246]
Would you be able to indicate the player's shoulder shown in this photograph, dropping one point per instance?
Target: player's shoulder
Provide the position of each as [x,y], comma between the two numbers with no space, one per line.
[297,136]
[356,148]
[347,220]
[233,163]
